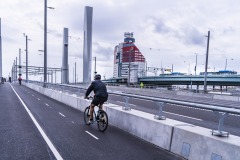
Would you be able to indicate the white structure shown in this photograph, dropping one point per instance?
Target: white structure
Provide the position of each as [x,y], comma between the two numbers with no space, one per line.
[65,68]
[87,45]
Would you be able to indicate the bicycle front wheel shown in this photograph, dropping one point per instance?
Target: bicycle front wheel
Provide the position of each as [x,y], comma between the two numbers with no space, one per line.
[86,115]
[103,121]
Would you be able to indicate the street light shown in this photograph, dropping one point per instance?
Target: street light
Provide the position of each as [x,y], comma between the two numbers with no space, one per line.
[226,63]
[26,55]
[40,53]
[195,69]
[45,43]
[189,70]
[191,81]
[95,71]
[19,67]
[75,71]
[206,64]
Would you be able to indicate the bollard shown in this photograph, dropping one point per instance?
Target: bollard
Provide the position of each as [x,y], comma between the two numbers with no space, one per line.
[127,107]
[220,131]
[79,92]
[160,115]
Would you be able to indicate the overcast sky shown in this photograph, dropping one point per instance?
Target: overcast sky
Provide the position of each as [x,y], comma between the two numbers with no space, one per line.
[167,32]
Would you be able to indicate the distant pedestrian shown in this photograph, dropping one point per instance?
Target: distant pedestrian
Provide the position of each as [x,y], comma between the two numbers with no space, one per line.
[20,80]
[10,79]
[2,80]
[141,85]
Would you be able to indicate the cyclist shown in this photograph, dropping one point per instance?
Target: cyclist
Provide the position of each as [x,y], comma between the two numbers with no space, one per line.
[100,94]
[20,80]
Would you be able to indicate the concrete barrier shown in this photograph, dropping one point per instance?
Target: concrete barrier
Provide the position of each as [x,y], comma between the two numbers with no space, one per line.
[225,97]
[189,141]
[197,143]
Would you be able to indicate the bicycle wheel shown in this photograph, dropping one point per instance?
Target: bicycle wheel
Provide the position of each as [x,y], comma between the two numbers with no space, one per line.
[86,115]
[103,121]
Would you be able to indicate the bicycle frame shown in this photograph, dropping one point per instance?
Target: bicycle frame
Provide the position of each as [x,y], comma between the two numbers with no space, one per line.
[99,116]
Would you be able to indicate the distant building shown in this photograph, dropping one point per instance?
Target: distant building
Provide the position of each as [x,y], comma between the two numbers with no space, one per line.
[127,54]
[173,74]
[221,72]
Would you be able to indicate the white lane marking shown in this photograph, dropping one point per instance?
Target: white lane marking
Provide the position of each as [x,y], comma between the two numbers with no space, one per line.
[190,107]
[120,102]
[38,99]
[72,122]
[45,137]
[234,115]
[184,116]
[124,103]
[32,95]
[91,135]
[46,104]
[61,114]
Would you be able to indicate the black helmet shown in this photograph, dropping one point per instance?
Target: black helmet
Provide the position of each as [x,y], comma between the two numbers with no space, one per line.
[97,76]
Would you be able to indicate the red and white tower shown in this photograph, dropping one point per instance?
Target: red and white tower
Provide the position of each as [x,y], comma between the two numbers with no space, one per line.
[128,60]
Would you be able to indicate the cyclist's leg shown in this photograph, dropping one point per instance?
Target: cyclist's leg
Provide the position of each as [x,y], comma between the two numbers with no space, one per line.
[91,111]
[104,99]
[100,106]
[95,102]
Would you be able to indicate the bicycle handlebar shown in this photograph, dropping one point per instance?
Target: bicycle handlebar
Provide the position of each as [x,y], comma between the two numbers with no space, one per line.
[89,98]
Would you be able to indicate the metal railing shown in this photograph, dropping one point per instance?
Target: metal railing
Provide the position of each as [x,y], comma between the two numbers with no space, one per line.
[222,112]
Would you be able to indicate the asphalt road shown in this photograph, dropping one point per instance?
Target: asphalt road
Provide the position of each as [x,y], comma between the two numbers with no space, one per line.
[42,128]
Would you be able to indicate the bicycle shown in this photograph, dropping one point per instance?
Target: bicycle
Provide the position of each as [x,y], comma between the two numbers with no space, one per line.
[99,116]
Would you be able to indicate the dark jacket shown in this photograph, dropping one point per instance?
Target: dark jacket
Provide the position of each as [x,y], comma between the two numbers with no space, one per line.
[98,87]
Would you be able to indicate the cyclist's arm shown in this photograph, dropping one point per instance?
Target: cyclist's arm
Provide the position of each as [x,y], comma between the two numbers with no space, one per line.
[89,90]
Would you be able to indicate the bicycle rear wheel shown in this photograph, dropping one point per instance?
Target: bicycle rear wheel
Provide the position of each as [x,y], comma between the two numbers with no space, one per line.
[86,115]
[103,121]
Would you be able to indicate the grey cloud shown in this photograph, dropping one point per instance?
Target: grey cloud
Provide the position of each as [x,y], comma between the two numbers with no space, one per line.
[55,33]
[40,25]
[102,53]
[188,35]
[8,40]
[157,25]
[161,27]
[229,29]
[191,35]
[51,31]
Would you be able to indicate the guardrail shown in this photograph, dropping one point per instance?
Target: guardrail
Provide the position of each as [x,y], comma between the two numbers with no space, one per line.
[222,112]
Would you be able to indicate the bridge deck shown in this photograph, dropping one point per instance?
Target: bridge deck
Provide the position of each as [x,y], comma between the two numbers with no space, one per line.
[21,139]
